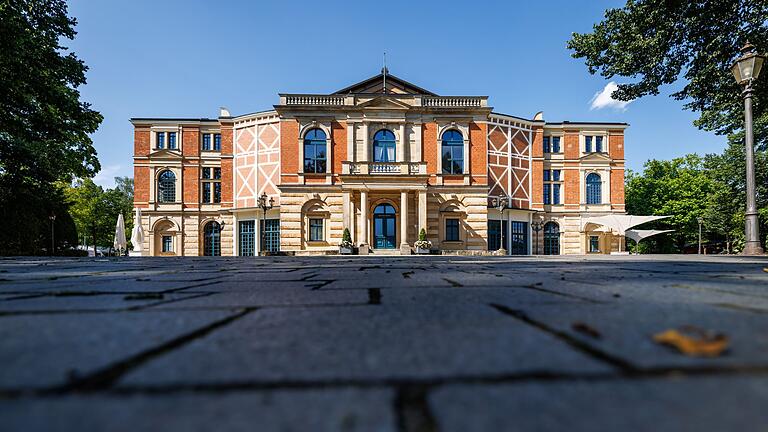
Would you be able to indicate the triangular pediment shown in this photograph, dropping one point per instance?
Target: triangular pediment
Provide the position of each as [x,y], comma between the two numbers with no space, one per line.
[376,83]
[384,102]
[596,157]
[166,154]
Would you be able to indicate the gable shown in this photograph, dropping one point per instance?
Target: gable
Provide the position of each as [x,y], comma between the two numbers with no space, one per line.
[375,84]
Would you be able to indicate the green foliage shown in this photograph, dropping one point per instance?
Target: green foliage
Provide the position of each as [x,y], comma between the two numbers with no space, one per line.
[95,210]
[44,127]
[659,42]
[346,237]
[422,235]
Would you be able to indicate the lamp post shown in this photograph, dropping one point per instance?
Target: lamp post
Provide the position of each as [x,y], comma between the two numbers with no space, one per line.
[265,203]
[701,222]
[746,69]
[537,226]
[500,203]
[52,218]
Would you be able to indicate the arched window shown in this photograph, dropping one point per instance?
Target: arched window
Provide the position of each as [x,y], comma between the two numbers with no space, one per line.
[212,239]
[315,145]
[384,146]
[166,187]
[453,152]
[594,189]
[551,238]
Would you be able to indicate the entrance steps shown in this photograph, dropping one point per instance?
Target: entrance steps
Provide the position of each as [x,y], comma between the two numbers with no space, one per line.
[384,252]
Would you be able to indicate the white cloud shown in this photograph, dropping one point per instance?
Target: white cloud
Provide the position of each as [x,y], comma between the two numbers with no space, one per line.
[106,177]
[603,99]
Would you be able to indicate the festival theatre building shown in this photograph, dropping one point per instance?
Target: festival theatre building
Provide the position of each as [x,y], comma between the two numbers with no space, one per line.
[385,159]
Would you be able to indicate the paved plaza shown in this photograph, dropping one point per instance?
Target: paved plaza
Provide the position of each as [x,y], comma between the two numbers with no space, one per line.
[412,343]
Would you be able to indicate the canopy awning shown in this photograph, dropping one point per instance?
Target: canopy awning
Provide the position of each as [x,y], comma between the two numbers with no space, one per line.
[638,235]
[619,223]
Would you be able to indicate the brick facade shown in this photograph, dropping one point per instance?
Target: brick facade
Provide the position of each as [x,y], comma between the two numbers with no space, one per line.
[263,154]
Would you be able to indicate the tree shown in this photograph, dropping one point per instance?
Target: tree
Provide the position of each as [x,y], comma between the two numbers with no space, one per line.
[679,188]
[44,127]
[661,42]
[95,210]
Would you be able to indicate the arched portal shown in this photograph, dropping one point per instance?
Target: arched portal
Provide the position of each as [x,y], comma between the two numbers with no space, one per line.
[384,227]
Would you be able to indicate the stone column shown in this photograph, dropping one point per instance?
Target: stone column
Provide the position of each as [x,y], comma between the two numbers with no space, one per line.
[422,210]
[366,144]
[401,149]
[362,239]
[345,208]
[405,248]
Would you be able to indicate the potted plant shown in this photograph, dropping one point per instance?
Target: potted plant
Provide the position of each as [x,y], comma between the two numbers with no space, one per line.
[346,246]
[422,245]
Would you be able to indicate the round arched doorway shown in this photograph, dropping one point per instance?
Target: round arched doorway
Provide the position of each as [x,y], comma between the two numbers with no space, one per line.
[384,227]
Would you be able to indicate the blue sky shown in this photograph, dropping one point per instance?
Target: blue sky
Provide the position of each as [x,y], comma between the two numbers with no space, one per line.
[186,58]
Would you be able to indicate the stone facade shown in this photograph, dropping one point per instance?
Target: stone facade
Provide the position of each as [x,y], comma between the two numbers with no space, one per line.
[384,159]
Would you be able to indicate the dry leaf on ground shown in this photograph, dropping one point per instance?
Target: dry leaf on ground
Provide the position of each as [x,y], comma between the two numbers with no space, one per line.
[583,328]
[693,341]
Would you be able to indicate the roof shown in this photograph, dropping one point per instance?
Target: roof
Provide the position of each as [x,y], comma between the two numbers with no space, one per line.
[375,84]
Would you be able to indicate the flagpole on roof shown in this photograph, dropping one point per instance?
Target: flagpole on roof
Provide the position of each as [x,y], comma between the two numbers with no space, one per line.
[384,71]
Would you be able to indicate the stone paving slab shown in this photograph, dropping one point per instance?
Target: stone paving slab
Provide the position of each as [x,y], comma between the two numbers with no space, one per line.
[40,351]
[435,343]
[346,410]
[653,405]
[364,343]
[626,331]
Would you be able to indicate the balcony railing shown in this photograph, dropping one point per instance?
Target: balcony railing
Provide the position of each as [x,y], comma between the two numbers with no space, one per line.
[454,101]
[384,168]
[327,100]
[413,100]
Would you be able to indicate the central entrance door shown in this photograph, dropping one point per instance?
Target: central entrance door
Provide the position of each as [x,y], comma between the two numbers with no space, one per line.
[384,226]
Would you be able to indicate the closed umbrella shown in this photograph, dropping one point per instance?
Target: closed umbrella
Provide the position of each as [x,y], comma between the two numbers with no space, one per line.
[137,235]
[120,243]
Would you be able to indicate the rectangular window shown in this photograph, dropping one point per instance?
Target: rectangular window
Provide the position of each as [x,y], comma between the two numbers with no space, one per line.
[217,142]
[206,141]
[160,140]
[497,234]
[217,192]
[547,193]
[547,146]
[451,230]
[594,244]
[217,173]
[599,144]
[556,193]
[167,244]
[518,241]
[555,175]
[206,173]
[588,144]
[547,175]
[316,232]
[246,242]
[271,231]
[556,144]
[172,140]
[206,192]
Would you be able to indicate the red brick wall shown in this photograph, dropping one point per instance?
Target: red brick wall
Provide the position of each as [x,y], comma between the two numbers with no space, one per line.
[478,151]
[429,147]
[191,187]
[141,141]
[339,143]
[289,151]
[571,142]
[572,186]
[616,146]
[190,145]
[226,164]
[537,169]
[617,188]
[141,183]
[537,145]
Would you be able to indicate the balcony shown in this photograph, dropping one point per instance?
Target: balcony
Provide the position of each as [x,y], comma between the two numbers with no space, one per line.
[384,168]
[350,100]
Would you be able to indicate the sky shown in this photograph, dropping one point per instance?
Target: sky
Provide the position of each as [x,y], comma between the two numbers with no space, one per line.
[167,58]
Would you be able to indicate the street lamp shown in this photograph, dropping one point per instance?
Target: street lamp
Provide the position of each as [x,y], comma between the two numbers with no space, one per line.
[52,218]
[537,226]
[265,203]
[500,203]
[701,222]
[746,69]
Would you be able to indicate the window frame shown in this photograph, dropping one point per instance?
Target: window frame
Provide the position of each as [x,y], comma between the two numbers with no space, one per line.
[449,231]
[316,231]
[166,186]
[315,143]
[594,244]
[453,144]
[166,244]
[593,193]
[385,144]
